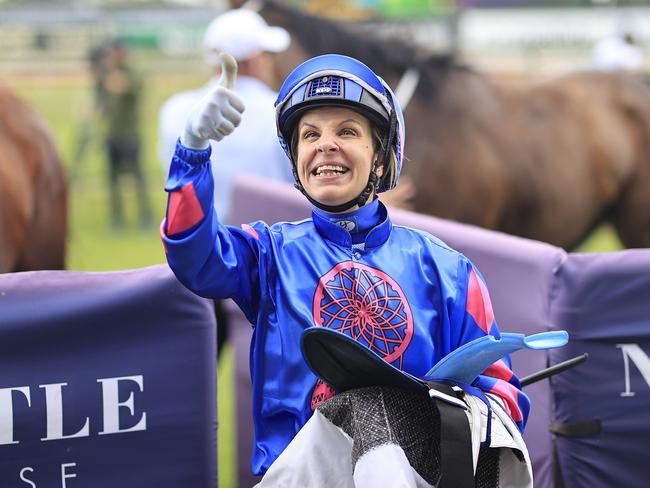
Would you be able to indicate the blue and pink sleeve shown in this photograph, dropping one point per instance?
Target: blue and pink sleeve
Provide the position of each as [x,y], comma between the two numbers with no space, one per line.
[499,378]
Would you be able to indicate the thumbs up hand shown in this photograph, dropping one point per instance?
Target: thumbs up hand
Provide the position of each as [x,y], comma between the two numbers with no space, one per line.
[218,113]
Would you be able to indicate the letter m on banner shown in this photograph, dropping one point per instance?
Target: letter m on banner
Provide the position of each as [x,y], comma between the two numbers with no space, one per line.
[632,352]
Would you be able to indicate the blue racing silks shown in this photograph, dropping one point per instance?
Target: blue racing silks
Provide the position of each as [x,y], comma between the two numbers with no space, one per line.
[405,295]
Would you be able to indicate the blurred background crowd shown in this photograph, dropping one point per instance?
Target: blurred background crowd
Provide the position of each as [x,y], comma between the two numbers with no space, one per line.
[99,72]
[51,53]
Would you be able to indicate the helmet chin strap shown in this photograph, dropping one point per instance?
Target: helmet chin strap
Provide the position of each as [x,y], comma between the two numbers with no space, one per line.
[359,200]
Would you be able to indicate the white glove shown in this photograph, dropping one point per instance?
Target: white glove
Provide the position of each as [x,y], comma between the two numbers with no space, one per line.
[218,113]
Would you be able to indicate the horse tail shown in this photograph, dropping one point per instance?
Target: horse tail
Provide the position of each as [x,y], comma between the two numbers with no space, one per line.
[35,202]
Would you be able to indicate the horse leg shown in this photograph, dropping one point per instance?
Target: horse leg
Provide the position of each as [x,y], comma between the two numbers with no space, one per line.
[9,234]
[15,204]
[46,226]
[33,190]
[46,238]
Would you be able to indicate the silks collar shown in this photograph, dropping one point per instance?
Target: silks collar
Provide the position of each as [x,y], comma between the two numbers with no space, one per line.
[338,235]
[358,222]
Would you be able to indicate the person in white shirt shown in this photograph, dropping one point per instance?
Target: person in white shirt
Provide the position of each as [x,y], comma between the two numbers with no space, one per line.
[617,52]
[253,149]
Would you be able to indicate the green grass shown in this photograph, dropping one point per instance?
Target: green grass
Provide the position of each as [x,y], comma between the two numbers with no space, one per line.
[603,239]
[64,102]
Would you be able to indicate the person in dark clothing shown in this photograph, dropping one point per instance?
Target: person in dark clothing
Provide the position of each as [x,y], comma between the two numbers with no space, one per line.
[118,93]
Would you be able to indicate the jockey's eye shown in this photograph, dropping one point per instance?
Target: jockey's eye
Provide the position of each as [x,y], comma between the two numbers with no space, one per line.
[309,134]
[347,131]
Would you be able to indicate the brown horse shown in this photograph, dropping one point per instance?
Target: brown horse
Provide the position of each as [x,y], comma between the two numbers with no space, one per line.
[33,190]
[549,161]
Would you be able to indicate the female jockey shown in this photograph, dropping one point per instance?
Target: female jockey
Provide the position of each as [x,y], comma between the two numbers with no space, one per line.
[401,292]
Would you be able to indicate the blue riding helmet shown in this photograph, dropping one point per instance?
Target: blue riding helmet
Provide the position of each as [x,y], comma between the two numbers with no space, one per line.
[333,79]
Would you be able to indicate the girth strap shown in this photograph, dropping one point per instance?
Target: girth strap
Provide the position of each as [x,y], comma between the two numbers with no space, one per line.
[456,465]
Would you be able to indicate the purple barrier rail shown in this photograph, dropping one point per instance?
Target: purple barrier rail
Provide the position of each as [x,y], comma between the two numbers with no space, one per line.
[107,379]
[519,274]
[601,406]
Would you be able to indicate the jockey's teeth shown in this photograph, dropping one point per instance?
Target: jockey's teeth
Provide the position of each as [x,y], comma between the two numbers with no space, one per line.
[330,170]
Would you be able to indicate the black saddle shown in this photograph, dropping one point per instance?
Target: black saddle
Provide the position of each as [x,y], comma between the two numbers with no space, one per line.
[345,364]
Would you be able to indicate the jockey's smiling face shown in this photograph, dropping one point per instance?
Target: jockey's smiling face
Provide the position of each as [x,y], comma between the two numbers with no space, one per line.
[334,154]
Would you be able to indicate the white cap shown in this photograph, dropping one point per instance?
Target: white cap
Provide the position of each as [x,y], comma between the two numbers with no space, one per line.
[242,33]
[614,53]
